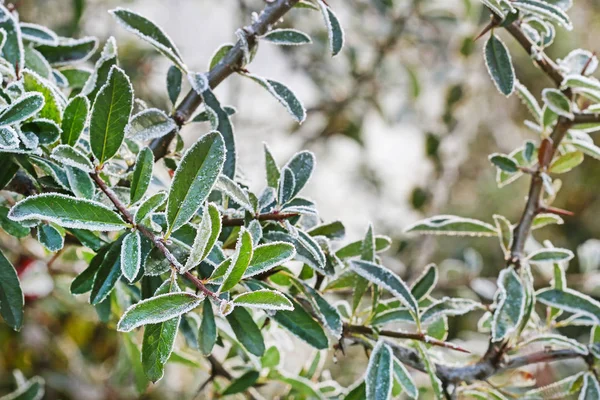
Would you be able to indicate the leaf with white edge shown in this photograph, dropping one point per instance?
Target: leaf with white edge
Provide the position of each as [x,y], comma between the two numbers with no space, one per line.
[69,51]
[287,37]
[382,243]
[448,306]
[550,340]
[505,232]
[405,379]
[207,336]
[307,250]
[379,374]
[74,120]
[334,28]
[150,32]
[159,339]
[70,156]
[148,206]
[268,256]
[577,81]
[578,60]
[68,212]
[585,147]
[544,10]
[302,165]
[239,261]
[511,305]
[305,388]
[430,368]
[571,301]
[453,226]
[23,108]
[273,172]
[38,34]
[504,162]
[194,179]
[80,183]
[388,280]
[174,80]
[566,162]
[287,183]
[284,95]
[36,62]
[9,139]
[556,101]
[50,237]
[53,100]
[108,274]
[158,309]
[551,255]
[150,124]
[207,234]
[12,228]
[220,121]
[263,299]
[235,192]
[591,388]
[499,65]
[142,174]
[301,324]
[239,385]
[12,49]
[219,54]
[110,114]
[529,101]
[333,230]
[11,295]
[328,314]
[246,331]
[131,255]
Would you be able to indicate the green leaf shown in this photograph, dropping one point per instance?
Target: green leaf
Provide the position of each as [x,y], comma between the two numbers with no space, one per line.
[449,307]
[84,281]
[552,255]
[591,388]
[287,37]
[328,314]
[194,179]
[11,295]
[69,51]
[300,323]
[379,378]
[9,139]
[425,283]
[263,299]
[272,168]
[72,157]
[80,183]
[207,336]
[436,384]
[585,147]
[74,120]
[148,124]
[571,301]
[302,165]
[174,79]
[219,54]
[529,101]
[68,212]
[242,383]
[234,192]
[159,339]
[246,331]
[511,305]
[110,114]
[150,32]
[207,234]
[38,34]
[131,255]
[158,309]
[148,206]
[544,10]
[32,389]
[36,62]
[284,95]
[142,174]
[353,249]
[556,101]
[499,65]
[108,274]
[12,228]
[453,226]
[50,237]
[76,77]
[268,256]
[388,280]
[552,340]
[545,219]
[566,162]
[52,108]
[307,250]
[135,360]
[505,232]
[239,261]
[333,230]
[23,108]
[504,162]
[12,50]
[405,380]
[287,183]
[334,28]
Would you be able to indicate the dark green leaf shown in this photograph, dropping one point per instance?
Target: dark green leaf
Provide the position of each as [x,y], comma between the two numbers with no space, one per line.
[499,65]
[11,296]
[246,331]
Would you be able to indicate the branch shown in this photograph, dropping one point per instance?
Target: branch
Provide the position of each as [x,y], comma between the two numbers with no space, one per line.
[366,330]
[231,63]
[158,241]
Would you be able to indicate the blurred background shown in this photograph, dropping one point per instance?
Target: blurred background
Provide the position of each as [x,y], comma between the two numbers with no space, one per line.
[401,123]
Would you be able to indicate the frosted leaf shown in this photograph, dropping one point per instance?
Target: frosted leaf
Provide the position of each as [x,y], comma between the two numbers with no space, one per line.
[263,299]
[51,169]
[268,256]
[505,233]
[453,226]
[591,388]
[245,46]
[80,183]
[235,192]
[529,101]
[430,368]
[50,237]
[550,339]
[550,255]
[571,301]
[131,255]
[71,156]
[306,249]
[207,234]
[8,138]
[148,206]
[150,32]
[334,28]
[239,261]
[379,373]
[511,305]
[284,95]
[287,37]
[158,309]
[588,148]
[255,231]
[449,307]
[35,61]
[544,10]
[54,101]
[22,109]
[68,212]
[150,124]
[287,184]
[499,65]
[12,49]
[225,308]
[576,61]
[69,51]
[29,139]
[504,162]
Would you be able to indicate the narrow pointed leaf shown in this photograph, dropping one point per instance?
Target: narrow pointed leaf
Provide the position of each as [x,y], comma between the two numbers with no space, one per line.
[246,331]
[264,299]
[334,28]
[287,37]
[239,263]
[131,255]
[25,107]
[207,234]
[207,336]
[453,226]
[50,237]
[571,301]
[499,65]
[283,95]
[142,174]
[379,375]
[11,295]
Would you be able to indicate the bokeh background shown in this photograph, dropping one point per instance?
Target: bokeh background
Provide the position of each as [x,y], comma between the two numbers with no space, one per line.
[401,123]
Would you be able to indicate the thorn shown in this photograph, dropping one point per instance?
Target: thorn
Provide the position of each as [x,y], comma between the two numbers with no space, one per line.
[587,64]
[557,211]
[491,25]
